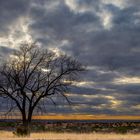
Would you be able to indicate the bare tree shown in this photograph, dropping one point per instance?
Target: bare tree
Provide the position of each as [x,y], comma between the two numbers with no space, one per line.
[32,74]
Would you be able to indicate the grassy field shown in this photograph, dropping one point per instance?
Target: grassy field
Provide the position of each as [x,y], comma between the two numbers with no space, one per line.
[73,131]
[5,135]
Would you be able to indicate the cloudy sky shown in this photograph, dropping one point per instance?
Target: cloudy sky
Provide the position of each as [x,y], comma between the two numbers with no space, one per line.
[102,34]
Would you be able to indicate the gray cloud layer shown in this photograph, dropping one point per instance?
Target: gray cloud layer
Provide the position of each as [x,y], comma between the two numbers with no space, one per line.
[103,35]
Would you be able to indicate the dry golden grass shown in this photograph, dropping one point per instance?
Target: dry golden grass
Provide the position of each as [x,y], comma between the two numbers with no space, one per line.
[4,135]
[93,136]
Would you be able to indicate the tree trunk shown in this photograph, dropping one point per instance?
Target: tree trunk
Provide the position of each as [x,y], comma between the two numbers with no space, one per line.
[30,117]
[24,130]
[24,120]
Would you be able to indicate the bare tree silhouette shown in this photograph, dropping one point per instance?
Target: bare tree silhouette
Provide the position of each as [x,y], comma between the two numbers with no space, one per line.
[32,74]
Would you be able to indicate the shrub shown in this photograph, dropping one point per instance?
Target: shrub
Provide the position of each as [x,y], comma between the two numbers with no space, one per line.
[22,131]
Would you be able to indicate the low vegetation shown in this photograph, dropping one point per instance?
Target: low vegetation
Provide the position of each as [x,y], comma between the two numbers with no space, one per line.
[74,127]
[121,128]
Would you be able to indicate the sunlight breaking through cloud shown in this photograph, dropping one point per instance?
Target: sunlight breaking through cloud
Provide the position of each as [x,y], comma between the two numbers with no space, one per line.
[106,18]
[118,3]
[127,80]
[18,33]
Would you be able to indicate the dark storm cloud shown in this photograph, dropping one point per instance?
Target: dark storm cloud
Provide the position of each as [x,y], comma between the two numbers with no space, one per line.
[80,31]
[82,105]
[60,23]
[5,50]
[10,10]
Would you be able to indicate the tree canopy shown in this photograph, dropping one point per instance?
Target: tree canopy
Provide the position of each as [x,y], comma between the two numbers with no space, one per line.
[32,74]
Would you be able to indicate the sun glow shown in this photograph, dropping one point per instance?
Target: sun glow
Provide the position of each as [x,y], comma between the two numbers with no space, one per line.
[18,33]
[106,18]
[127,80]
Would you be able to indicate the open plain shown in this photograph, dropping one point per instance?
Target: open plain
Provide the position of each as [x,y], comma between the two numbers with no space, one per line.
[6,135]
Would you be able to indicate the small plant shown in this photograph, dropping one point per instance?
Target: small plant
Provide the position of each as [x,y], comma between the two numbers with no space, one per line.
[121,129]
[22,131]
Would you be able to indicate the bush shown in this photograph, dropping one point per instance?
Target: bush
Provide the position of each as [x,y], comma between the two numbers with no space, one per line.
[22,131]
[121,129]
